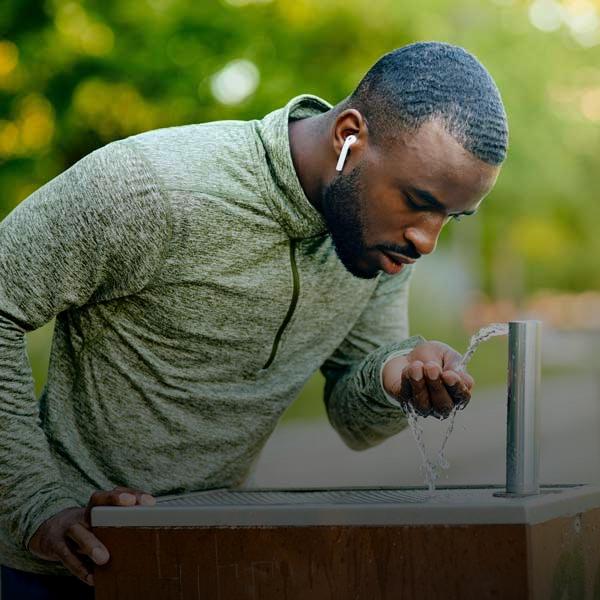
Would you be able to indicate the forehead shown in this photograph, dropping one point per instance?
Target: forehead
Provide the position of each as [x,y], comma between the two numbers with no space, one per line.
[431,159]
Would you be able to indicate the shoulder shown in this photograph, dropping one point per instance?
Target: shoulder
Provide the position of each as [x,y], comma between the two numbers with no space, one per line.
[200,157]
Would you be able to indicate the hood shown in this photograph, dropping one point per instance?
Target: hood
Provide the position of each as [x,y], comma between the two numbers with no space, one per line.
[289,204]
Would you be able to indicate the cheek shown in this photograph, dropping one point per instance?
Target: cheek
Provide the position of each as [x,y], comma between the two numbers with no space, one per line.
[383,228]
[386,218]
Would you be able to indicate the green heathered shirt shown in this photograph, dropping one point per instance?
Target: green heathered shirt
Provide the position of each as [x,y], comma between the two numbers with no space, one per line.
[195,291]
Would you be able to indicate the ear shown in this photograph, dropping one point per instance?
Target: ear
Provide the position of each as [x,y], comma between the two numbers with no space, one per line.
[350,122]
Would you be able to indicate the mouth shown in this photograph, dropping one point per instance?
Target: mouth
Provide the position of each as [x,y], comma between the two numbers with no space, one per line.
[393,263]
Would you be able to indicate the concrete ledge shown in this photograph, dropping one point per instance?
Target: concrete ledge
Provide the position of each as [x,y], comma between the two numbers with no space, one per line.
[352,506]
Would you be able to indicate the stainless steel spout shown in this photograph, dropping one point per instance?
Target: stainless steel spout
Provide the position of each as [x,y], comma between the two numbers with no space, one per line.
[524,387]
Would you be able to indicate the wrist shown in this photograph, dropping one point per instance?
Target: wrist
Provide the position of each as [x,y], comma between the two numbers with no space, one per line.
[391,373]
[389,366]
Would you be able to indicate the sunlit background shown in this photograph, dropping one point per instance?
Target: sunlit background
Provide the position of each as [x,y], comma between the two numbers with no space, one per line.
[77,75]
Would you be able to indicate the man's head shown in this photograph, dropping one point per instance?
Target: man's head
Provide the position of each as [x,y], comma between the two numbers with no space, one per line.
[431,136]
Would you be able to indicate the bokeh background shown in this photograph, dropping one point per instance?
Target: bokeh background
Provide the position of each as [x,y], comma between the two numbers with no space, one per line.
[77,75]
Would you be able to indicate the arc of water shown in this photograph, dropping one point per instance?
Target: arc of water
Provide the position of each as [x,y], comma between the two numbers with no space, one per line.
[431,469]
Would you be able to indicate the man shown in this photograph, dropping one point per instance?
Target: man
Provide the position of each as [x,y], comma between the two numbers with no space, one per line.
[200,274]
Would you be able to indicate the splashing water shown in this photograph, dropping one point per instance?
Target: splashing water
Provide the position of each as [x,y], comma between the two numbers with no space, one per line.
[432,469]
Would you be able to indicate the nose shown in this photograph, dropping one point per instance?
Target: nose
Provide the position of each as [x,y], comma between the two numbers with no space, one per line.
[424,235]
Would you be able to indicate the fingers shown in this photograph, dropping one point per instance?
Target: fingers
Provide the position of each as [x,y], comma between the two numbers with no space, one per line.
[87,543]
[74,564]
[119,496]
[437,383]
[141,497]
[405,395]
[459,388]
[68,533]
[431,391]
[56,541]
[441,401]
[419,397]
[468,381]
[451,361]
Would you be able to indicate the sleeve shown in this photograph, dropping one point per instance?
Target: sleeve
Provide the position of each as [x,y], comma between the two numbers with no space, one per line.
[357,405]
[97,231]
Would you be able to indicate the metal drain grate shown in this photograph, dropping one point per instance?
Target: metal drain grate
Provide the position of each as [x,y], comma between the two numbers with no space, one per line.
[225,497]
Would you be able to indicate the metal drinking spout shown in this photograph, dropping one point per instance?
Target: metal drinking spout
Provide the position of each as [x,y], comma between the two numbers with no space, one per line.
[524,386]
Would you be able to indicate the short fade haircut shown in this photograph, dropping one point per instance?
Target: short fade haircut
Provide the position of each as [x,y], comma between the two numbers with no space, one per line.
[428,80]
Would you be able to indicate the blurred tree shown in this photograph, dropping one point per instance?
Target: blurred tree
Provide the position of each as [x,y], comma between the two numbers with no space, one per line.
[76,75]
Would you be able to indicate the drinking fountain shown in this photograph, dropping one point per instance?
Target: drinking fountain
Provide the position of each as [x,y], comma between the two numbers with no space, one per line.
[522,420]
[522,540]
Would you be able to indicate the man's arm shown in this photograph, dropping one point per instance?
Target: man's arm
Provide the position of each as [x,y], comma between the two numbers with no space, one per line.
[97,231]
[357,405]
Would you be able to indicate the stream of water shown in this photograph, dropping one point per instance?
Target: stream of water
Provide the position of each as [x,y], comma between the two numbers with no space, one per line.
[432,469]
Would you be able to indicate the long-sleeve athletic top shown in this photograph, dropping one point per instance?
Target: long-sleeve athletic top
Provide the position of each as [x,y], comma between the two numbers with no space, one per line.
[195,290]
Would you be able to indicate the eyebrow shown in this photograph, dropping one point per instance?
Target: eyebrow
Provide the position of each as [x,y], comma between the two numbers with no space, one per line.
[432,201]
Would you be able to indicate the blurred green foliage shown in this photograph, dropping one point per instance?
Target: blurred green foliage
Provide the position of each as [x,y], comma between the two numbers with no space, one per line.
[77,75]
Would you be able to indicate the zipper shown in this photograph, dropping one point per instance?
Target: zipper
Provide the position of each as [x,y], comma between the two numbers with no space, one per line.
[292,307]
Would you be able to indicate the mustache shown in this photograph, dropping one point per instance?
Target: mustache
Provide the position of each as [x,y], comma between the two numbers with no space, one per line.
[409,251]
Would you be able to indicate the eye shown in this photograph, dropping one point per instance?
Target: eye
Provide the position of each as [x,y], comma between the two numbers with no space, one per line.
[412,203]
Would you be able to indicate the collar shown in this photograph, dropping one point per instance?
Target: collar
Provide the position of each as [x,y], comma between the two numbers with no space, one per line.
[287,200]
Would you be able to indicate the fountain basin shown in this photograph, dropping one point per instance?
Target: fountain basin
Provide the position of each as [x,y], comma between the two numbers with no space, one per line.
[354,543]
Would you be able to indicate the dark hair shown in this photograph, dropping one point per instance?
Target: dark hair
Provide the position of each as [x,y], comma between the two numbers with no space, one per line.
[411,85]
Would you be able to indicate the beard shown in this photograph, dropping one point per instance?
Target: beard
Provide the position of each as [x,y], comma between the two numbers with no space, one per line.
[343,212]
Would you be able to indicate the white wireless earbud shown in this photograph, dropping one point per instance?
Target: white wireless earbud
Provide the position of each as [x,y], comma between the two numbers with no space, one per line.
[342,159]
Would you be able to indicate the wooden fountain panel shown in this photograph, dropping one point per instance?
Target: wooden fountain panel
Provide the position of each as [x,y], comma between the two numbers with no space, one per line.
[356,544]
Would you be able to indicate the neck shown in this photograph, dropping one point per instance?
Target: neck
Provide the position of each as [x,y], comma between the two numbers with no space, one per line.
[312,154]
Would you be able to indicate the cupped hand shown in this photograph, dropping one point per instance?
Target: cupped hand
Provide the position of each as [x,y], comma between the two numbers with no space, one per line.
[429,379]
[67,537]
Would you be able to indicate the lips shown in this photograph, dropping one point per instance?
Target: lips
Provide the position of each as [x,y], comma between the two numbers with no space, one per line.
[390,265]
[399,259]
[393,262]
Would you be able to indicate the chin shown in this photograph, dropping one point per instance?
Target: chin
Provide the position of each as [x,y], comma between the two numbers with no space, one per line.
[362,272]
[365,274]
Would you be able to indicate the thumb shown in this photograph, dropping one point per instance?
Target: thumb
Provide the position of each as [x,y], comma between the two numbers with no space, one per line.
[451,359]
